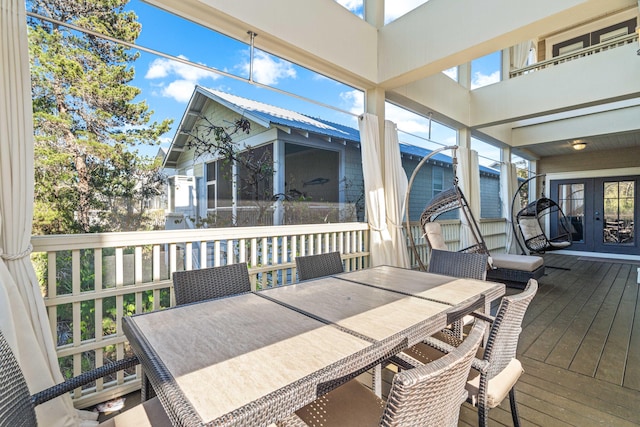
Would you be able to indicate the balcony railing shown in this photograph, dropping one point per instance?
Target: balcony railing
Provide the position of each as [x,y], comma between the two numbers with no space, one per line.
[600,47]
[92,281]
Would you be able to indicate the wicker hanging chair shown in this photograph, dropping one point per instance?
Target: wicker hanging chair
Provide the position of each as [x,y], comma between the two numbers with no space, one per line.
[513,270]
[448,200]
[529,221]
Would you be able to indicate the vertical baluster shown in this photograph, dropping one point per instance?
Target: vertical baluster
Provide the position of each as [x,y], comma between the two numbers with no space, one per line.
[52,292]
[97,274]
[119,307]
[156,275]
[216,253]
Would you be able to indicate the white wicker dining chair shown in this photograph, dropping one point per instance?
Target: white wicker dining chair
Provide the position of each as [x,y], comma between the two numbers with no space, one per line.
[425,395]
[496,373]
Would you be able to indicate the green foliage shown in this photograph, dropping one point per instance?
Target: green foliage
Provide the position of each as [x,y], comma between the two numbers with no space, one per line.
[87,119]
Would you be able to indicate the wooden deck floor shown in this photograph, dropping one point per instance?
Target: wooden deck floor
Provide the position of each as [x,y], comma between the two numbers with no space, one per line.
[580,348]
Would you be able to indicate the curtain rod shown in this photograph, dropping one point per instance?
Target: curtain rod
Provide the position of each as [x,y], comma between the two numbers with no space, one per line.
[187,62]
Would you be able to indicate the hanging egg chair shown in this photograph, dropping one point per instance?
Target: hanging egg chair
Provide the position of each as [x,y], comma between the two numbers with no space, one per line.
[445,201]
[531,220]
[513,270]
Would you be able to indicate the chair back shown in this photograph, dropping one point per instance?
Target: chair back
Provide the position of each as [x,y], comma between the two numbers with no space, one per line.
[15,399]
[431,394]
[502,341]
[208,283]
[458,264]
[312,266]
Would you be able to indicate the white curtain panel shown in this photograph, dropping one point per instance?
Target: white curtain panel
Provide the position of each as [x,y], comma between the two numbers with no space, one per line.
[23,317]
[508,187]
[381,245]
[520,54]
[469,183]
[395,184]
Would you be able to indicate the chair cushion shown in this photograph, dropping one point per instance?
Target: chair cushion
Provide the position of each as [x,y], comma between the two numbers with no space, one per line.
[559,245]
[433,233]
[147,414]
[499,385]
[517,262]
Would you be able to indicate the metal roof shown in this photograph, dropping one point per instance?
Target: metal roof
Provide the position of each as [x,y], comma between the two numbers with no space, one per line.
[268,115]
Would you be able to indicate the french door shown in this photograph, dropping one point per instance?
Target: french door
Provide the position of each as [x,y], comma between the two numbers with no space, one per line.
[601,212]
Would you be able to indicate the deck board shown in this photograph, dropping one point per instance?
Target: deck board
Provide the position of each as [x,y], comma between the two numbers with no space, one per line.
[580,348]
[613,361]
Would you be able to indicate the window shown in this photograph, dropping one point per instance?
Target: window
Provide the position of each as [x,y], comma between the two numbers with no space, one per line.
[254,184]
[486,70]
[219,184]
[600,36]
[437,181]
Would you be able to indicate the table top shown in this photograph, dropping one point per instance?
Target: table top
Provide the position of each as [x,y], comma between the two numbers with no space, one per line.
[254,358]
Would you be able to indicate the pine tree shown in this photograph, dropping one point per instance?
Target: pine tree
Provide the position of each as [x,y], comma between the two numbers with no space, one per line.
[87,118]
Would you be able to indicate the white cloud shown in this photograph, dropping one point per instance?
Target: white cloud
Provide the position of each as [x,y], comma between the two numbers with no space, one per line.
[480,79]
[354,99]
[352,5]
[406,120]
[180,90]
[452,73]
[269,70]
[397,8]
[184,76]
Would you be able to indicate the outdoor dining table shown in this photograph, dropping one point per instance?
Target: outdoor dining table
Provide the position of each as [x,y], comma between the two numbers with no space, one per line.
[254,358]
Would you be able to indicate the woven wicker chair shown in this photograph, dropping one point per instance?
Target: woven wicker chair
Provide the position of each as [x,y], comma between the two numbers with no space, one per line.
[496,374]
[312,266]
[425,395]
[208,283]
[17,405]
[458,264]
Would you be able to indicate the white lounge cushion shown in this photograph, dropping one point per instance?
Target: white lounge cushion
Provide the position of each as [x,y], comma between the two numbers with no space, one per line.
[499,385]
[517,262]
[433,233]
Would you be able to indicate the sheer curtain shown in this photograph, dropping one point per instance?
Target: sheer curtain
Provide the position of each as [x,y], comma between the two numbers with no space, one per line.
[381,245]
[395,183]
[520,54]
[469,183]
[23,317]
[508,187]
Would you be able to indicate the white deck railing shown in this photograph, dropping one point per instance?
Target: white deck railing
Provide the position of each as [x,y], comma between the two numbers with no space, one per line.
[97,279]
[600,47]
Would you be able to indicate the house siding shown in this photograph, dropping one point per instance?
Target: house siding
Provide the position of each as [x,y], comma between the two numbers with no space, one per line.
[351,183]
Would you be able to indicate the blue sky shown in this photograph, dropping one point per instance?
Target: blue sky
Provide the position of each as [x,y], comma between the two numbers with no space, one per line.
[167,85]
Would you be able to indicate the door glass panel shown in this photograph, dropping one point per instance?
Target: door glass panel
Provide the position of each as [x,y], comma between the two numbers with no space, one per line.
[618,212]
[571,201]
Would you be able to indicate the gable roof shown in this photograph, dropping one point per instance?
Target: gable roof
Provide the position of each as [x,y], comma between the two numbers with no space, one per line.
[268,115]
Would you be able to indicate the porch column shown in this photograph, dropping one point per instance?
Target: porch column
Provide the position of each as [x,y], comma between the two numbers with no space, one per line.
[374,12]
[374,100]
[279,174]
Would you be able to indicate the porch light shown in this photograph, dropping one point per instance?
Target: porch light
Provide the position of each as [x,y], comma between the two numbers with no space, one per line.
[579,145]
